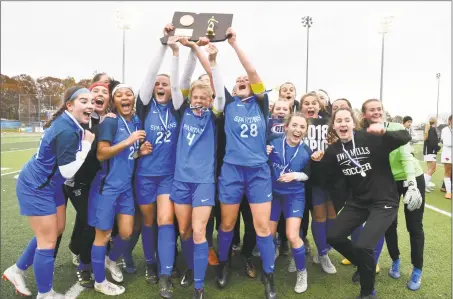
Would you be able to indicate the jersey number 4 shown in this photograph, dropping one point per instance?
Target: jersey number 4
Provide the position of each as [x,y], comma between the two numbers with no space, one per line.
[161,136]
[246,130]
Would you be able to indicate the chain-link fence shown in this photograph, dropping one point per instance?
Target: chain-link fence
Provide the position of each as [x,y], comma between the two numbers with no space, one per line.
[29,109]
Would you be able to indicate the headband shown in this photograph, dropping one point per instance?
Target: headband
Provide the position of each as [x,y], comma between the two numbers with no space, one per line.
[77,93]
[122,86]
[96,84]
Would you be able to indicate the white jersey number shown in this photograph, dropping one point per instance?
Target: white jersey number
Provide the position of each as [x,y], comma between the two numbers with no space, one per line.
[190,137]
[245,130]
[165,137]
[131,154]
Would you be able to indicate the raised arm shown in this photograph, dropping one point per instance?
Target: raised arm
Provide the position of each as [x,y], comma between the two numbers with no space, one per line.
[391,140]
[146,89]
[254,78]
[186,77]
[176,93]
[217,81]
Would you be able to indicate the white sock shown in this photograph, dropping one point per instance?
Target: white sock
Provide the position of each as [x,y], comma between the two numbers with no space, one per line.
[427,179]
[447,182]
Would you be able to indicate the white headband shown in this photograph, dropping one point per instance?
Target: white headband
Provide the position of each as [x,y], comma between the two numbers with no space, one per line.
[122,86]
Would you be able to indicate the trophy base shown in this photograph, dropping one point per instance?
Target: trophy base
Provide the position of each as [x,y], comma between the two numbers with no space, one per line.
[210,35]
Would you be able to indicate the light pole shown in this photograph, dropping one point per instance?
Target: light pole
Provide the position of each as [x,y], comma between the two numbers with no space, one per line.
[386,24]
[123,24]
[307,21]
[438,87]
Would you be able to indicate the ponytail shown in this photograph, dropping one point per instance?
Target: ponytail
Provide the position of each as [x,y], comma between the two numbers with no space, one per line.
[67,97]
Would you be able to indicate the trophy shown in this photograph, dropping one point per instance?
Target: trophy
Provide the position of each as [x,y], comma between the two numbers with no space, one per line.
[193,26]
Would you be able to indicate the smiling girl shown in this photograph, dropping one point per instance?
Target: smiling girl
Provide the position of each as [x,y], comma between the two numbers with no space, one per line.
[62,151]
[290,162]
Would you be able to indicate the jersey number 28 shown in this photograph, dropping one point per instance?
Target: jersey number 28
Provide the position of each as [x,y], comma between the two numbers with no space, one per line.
[246,130]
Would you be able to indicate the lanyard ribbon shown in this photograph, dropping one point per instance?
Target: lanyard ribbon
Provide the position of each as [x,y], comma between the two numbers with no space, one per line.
[355,162]
[129,131]
[284,156]
[164,123]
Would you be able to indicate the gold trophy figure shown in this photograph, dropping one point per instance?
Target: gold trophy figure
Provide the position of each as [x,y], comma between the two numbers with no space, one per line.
[210,32]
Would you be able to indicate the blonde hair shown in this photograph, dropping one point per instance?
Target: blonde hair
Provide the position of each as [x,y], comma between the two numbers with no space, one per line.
[283,101]
[432,121]
[200,85]
[289,117]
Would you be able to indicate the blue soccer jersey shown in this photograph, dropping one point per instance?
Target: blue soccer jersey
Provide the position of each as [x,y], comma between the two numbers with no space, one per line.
[196,149]
[116,173]
[58,146]
[285,159]
[161,126]
[245,129]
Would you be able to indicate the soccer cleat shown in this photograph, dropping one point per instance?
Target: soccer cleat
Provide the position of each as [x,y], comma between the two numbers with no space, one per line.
[431,186]
[443,189]
[166,287]
[249,267]
[115,271]
[346,262]
[187,278]
[198,294]
[394,271]
[75,259]
[327,265]
[415,281]
[378,269]
[50,295]
[17,278]
[269,285]
[151,274]
[213,260]
[292,265]
[448,195]
[301,282]
[108,288]
[130,268]
[221,278]
[85,279]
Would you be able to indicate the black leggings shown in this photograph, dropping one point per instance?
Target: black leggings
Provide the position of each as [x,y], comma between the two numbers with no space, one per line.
[378,218]
[414,225]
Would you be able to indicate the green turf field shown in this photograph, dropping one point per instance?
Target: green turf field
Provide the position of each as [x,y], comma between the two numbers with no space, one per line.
[437,276]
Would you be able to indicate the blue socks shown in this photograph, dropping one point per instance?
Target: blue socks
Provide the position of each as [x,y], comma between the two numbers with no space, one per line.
[119,246]
[200,257]
[299,257]
[166,248]
[26,259]
[98,262]
[267,251]
[84,267]
[378,249]
[224,239]
[188,250]
[149,234]
[319,234]
[44,263]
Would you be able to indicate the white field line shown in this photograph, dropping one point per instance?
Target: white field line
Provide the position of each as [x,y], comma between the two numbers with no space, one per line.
[438,210]
[74,291]
[3,168]
[10,172]
[20,150]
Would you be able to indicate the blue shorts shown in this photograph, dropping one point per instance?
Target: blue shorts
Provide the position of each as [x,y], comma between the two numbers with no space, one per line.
[292,205]
[147,188]
[236,180]
[103,208]
[197,195]
[39,202]
[319,196]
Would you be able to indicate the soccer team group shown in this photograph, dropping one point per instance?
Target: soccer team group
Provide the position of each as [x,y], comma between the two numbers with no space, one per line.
[171,159]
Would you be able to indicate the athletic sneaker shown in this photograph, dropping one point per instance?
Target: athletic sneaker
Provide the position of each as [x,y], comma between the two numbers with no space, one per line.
[85,279]
[327,265]
[115,271]
[316,259]
[198,294]
[249,267]
[50,295]
[394,271]
[187,278]
[75,259]
[301,282]
[292,265]
[415,281]
[108,288]
[17,277]
[448,195]
[431,186]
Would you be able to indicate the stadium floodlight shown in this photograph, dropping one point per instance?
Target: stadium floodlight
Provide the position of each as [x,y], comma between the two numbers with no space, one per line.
[123,24]
[307,21]
[386,26]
